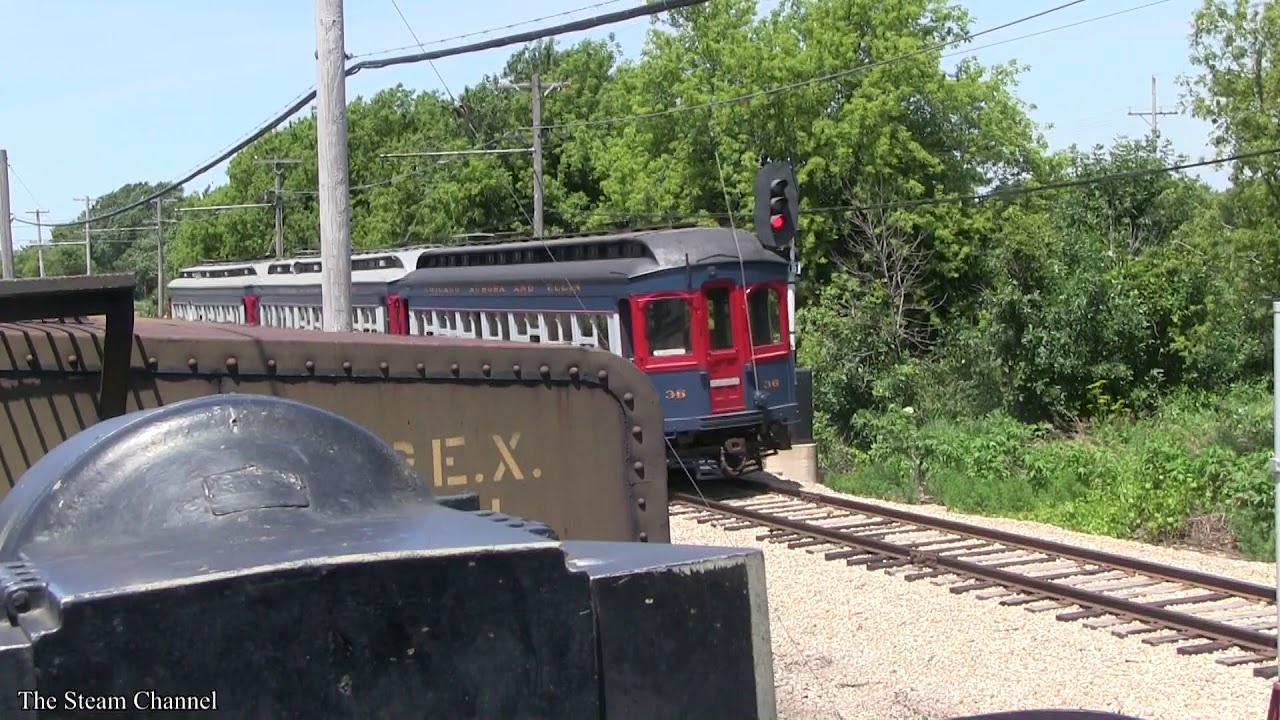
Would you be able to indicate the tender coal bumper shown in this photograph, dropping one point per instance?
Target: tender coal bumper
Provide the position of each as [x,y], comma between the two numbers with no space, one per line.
[683,631]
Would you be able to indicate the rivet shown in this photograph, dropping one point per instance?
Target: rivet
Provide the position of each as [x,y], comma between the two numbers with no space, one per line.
[453,368]
[515,369]
[191,363]
[637,431]
[639,466]
[271,365]
[152,363]
[31,359]
[641,503]
[346,366]
[486,369]
[422,369]
[232,363]
[603,375]
[544,370]
[644,537]
[310,365]
[629,399]
[72,360]
[384,367]
[574,371]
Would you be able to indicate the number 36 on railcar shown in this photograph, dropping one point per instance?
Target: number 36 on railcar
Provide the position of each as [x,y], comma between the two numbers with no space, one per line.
[703,311]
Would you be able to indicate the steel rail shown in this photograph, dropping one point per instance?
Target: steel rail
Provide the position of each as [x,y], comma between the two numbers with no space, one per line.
[1172,619]
[1186,576]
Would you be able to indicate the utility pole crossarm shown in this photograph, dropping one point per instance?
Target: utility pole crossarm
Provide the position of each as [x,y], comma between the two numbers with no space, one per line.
[277,199]
[1153,115]
[214,208]
[39,237]
[88,257]
[454,153]
[537,91]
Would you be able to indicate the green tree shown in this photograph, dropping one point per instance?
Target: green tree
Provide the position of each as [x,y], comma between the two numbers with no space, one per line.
[125,243]
[1233,47]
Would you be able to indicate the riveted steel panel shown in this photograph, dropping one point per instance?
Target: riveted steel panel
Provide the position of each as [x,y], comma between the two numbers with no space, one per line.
[569,436]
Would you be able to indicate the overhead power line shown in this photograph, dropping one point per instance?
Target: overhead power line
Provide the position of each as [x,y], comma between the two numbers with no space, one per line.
[790,87]
[654,7]
[1003,193]
[16,176]
[466,119]
[1025,190]
[477,33]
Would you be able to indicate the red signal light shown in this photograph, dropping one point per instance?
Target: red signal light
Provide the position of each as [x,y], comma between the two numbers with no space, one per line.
[777,221]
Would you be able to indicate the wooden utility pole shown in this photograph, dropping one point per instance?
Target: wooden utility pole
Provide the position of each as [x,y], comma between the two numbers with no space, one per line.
[1153,115]
[335,189]
[159,202]
[6,222]
[39,238]
[88,259]
[537,90]
[277,199]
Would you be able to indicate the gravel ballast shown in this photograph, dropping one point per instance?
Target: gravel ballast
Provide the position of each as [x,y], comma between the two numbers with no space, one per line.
[857,644]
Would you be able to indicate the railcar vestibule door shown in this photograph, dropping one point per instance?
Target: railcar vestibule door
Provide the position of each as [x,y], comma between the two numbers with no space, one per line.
[701,335]
[722,324]
[250,310]
[397,315]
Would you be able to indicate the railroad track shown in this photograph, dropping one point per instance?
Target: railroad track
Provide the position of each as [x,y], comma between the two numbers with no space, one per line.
[1200,612]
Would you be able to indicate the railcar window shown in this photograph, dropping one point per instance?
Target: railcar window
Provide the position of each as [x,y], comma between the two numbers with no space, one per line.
[719,318]
[765,310]
[667,327]
[602,330]
[624,318]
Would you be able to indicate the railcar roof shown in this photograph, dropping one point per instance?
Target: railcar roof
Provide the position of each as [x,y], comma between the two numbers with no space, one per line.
[623,255]
[603,257]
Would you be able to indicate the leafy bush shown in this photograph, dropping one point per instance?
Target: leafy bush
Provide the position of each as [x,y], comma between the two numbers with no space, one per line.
[1199,456]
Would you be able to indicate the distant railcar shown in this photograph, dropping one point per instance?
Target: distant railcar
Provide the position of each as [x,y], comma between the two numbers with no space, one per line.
[216,292]
[702,311]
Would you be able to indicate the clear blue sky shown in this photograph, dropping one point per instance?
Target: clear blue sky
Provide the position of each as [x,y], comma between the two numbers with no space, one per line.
[100,94]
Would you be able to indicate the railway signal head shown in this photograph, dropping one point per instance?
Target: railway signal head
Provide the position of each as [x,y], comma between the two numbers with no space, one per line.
[777,204]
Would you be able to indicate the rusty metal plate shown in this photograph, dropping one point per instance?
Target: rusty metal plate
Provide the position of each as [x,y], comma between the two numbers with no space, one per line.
[569,436]
[73,297]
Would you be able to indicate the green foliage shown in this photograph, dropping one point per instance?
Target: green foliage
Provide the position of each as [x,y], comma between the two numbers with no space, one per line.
[1163,478]
[1233,46]
[124,243]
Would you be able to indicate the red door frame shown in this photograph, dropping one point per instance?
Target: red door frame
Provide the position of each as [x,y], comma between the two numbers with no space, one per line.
[782,348]
[724,365]
[723,368]
[397,315]
[250,309]
[640,336]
